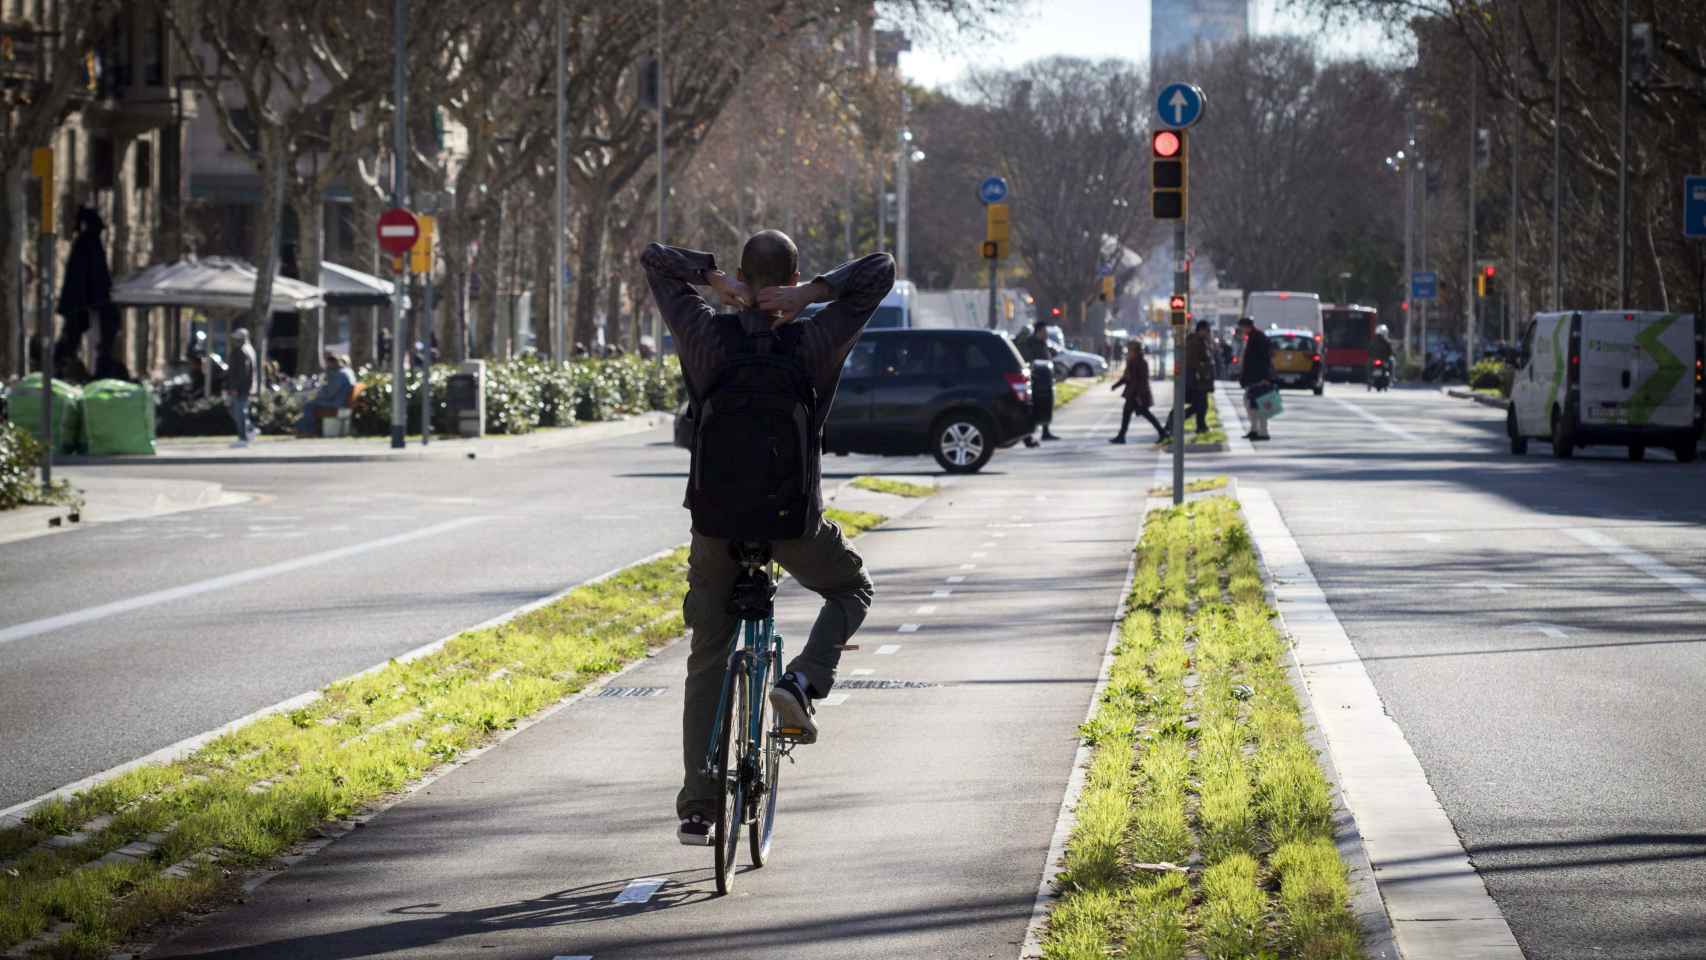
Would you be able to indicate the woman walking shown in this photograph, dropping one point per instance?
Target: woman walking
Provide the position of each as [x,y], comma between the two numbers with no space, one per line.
[1138,399]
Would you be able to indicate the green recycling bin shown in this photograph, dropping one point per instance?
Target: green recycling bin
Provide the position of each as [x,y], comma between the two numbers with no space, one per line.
[23,407]
[118,417]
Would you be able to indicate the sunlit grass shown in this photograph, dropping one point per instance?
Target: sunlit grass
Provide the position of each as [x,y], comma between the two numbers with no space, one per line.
[898,488]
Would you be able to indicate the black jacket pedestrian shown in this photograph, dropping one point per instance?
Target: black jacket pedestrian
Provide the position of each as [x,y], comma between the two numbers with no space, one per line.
[1258,363]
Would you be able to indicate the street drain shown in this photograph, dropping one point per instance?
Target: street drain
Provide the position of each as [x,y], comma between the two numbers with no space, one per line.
[631,691]
[883,684]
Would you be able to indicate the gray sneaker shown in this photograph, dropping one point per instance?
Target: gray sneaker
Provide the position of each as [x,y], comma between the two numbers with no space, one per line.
[793,709]
[696,831]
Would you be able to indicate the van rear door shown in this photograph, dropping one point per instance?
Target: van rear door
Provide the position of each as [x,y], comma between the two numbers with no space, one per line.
[1663,350]
[1608,368]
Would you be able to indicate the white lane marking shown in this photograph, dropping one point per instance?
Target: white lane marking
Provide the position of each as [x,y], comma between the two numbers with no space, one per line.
[1652,566]
[968,566]
[1378,421]
[1551,630]
[833,700]
[1490,587]
[213,584]
[956,579]
[998,535]
[925,610]
[979,554]
[1429,537]
[986,546]
[943,594]
[887,649]
[1231,410]
[612,516]
[863,672]
[1438,903]
[578,956]
[906,628]
[639,891]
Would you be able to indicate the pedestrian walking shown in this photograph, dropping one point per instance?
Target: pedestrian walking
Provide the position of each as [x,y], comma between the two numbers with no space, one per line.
[1199,374]
[240,383]
[1256,375]
[1035,350]
[740,462]
[1138,398]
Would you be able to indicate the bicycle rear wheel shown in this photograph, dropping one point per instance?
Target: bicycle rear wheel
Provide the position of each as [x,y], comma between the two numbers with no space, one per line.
[768,763]
[731,804]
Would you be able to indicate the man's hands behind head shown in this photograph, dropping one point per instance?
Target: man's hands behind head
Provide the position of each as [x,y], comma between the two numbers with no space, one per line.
[732,290]
[785,303]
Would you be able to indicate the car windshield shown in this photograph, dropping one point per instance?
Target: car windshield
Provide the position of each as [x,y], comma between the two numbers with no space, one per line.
[887,318]
[1289,342]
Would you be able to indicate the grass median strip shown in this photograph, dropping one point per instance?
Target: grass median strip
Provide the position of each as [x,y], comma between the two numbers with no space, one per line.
[1066,391]
[1205,825]
[898,488]
[83,875]
[1195,486]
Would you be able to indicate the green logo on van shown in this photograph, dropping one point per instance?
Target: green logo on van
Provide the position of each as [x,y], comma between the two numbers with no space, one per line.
[1657,387]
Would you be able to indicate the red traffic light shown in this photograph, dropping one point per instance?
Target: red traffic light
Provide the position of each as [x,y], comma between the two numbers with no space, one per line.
[1176,302]
[1488,270]
[1166,143]
[1054,311]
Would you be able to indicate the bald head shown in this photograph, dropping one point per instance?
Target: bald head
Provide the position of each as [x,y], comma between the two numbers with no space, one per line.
[769,259]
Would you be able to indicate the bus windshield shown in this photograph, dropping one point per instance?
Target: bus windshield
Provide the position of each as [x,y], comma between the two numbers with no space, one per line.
[1348,328]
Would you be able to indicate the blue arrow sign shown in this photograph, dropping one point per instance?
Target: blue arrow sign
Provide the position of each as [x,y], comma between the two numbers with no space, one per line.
[1694,208]
[1424,285]
[1179,105]
[992,190]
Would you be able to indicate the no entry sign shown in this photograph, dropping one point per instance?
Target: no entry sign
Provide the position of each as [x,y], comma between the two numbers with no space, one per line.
[398,230]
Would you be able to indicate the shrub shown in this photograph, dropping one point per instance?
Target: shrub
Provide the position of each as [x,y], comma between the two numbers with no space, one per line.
[1491,374]
[20,455]
[529,392]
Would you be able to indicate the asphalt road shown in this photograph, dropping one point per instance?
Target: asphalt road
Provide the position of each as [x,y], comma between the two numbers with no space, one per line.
[340,566]
[1551,690]
[917,825]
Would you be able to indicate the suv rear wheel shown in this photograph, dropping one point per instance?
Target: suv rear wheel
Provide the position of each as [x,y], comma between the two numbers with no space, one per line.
[962,441]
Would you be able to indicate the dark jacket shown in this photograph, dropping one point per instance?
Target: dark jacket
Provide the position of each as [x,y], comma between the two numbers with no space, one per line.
[1034,348]
[824,340]
[242,378]
[1199,363]
[1258,365]
[1136,381]
[1380,349]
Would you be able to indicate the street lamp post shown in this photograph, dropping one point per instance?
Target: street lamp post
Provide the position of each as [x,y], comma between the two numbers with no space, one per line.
[903,182]
[399,200]
[1345,287]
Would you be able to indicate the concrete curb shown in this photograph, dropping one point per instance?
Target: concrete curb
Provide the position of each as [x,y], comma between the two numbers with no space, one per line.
[1479,398]
[363,451]
[23,523]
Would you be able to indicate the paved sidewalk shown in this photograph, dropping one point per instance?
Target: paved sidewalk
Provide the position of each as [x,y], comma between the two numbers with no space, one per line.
[917,826]
[109,499]
[276,449]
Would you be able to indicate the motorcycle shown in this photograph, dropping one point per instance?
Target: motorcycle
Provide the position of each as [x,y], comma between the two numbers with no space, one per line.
[1380,378]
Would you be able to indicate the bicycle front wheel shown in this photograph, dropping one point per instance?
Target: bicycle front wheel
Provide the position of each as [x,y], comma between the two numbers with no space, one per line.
[731,805]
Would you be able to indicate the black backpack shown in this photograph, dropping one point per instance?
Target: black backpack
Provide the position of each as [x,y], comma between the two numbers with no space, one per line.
[755,446]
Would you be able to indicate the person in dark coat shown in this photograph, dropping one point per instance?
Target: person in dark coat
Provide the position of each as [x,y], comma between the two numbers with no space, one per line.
[88,287]
[1035,351]
[1199,374]
[1138,398]
[1257,375]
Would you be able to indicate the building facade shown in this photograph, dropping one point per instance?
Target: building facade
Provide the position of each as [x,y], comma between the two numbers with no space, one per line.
[1185,26]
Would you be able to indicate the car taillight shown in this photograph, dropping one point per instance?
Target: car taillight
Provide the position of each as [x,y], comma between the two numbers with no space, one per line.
[1021,384]
[1377,363]
[1316,358]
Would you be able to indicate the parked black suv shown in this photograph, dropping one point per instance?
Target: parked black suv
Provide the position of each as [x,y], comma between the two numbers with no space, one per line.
[955,394]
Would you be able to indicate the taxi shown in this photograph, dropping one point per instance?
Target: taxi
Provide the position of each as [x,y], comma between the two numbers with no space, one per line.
[1297,359]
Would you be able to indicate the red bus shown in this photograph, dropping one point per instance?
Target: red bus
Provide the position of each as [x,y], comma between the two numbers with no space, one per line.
[1349,330]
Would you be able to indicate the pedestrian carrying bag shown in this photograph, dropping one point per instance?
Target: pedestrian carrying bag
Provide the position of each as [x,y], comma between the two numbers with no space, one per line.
[1268,403]
[754,450]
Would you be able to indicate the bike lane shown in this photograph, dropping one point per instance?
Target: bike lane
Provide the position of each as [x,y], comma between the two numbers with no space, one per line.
[918,825]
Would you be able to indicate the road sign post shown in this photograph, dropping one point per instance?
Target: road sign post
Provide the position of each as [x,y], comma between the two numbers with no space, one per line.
[1424,285]
[41,164]
[997,229]
[420,256]
[1694,228]
[398,232]
[1179,107]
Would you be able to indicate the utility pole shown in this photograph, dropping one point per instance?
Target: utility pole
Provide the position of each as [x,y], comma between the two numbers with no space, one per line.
[1469,226]
[42,162]
[1409,219]
[559,288]
[1422,258]
[399,201]
[663,191]
[1512,288]
[1557,153]
[902,180]
[1623,161]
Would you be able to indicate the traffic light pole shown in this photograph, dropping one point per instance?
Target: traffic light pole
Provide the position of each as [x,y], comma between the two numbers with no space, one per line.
[1182,288]
[399,200]
[992,322]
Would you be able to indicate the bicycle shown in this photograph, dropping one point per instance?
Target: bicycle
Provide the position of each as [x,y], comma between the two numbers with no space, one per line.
[747,764]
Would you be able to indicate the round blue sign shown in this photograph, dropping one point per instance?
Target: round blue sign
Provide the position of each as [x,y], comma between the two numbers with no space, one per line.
[1179,105]
[992,190]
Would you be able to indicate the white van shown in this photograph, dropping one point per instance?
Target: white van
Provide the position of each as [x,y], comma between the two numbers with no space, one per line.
[1285,310]
[895,313]
[1624,378]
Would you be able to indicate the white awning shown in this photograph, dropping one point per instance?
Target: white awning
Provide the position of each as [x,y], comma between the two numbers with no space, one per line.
[211,282]
[343,283]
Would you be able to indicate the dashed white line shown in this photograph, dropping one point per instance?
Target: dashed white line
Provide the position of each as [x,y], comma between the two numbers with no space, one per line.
[1380,422]
[833,700]
[1552,631]
[968,566]
[639,891]
[1692,586]
[925,610]
[985,546]
[942,594]
[956,579]
[979,554]
[887,648]
[863,672]
[906,628]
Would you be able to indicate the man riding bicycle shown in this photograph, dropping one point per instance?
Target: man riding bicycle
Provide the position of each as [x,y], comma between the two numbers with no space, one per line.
[769,298]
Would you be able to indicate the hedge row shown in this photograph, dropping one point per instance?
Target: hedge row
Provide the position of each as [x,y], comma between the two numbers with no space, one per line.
[20,455]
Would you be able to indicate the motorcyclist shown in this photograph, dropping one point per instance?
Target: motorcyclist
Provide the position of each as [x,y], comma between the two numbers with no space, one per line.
[1379,349]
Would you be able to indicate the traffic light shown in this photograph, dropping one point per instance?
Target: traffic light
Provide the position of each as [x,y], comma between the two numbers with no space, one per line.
[1167,175]
[1485,280]
[997,231]
[1483,148]
[1640,54]
[1107,289]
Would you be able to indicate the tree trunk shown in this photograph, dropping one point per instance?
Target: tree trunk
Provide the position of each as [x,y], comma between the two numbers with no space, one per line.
[12,230]
[592,223]
[363,208]
[483,309]
[311,247]
[543,253]
[274,158]
[452,311]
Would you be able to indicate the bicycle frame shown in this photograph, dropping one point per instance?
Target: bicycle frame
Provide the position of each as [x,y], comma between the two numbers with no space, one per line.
[754,654]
